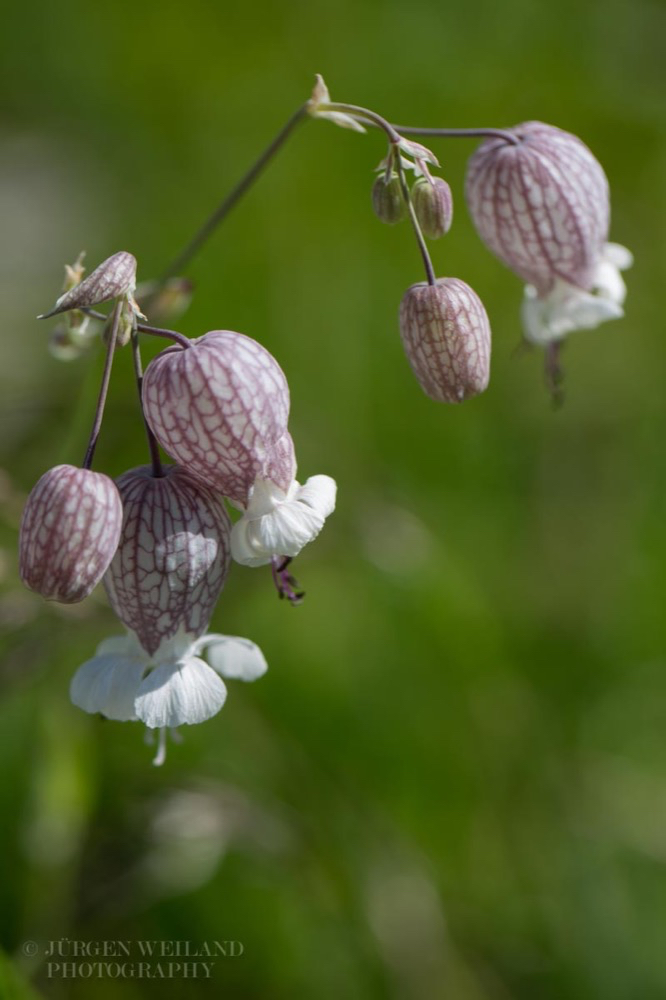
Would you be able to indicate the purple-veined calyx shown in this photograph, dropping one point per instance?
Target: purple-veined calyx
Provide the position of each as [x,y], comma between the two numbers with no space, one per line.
[173,555]
[115,277]
[542,206]
[218,407]
[446,336]
[70,530]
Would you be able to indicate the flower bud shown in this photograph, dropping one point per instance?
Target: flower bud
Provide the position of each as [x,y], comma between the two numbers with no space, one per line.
[69,533]
[114,277]
[433,205]
[218,407]
[446,336]
[541,206]
[173,555]
[387,200]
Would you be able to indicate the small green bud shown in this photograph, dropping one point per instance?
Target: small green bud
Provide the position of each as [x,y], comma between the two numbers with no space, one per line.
[387,200]
[433,205]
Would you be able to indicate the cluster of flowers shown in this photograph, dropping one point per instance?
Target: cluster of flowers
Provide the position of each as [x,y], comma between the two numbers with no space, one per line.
[541,205]
[540,202]
[160,537]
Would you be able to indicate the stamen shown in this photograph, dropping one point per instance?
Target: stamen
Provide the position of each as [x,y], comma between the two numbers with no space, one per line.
[284,582]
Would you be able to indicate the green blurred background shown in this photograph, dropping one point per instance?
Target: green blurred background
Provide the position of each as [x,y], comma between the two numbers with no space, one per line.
[452,781]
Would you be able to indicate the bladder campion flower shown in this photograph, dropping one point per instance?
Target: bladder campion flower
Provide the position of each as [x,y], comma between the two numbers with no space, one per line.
[218,407]
[446,336]
[542,206]
[70,530]
[173,555]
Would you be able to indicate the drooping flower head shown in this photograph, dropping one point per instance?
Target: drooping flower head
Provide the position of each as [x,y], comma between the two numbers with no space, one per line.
[173,556]
[219,407]
[542,206]
[446,336]
[69,533]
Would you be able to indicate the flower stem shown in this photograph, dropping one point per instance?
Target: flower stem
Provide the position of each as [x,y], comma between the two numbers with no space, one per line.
[427,262]
[459,133]
[365,114]
[104,388]
[158,471]
[185,256]
[395,139]
[154,331]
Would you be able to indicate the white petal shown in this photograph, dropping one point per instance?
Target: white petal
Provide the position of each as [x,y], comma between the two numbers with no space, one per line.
[608,283]
[108,684]
[618,255]
[236,658]
[319,493]
[179,693]
[607,280]
[288,527]
[565,309]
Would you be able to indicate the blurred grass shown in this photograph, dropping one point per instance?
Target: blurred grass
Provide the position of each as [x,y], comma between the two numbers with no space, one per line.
[451,781]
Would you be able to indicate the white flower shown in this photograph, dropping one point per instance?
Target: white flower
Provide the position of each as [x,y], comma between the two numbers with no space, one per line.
[279,523]
[174,687]
[566,308]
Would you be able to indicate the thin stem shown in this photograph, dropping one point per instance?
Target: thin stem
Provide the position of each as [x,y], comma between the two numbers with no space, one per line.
[154,331]
[427,262]
[104,388]
[460,133]
[395,139]
[158,471]
[178,264]
[369,116]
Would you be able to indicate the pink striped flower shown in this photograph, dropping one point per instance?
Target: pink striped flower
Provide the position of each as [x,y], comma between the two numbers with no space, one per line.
[446,336]
[173,556]
[69,533]
[542,207]
[218,407]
